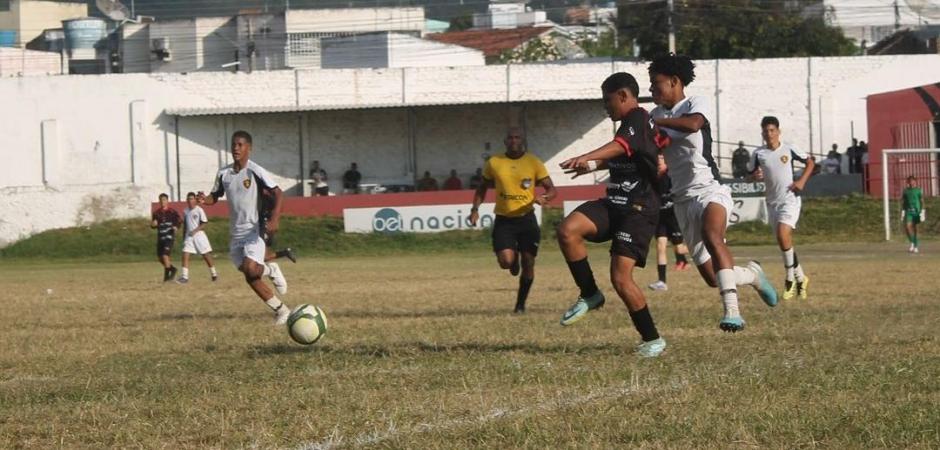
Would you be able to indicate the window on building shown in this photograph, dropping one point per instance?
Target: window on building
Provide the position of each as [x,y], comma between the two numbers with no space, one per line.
[303,49]
[5,5]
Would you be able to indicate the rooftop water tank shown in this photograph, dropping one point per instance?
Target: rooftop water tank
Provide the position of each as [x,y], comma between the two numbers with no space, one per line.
[83,35]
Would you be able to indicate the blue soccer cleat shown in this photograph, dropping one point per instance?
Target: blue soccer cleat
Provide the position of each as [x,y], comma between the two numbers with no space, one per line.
[731,324]
[766,290]
[581,308]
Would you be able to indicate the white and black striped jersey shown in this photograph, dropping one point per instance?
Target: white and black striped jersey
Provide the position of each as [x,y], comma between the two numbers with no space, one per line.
[692,167]
[244,189]
[777,166]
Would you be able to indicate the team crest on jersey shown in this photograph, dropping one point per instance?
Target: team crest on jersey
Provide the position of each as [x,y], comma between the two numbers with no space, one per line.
[526,183]
[632,131]
[246,182]
[784,159]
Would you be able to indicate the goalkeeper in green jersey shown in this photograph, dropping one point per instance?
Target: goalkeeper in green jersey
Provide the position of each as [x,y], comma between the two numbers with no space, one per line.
[912,209]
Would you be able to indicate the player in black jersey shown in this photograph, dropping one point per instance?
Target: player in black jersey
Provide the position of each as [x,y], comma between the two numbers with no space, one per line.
[626,216]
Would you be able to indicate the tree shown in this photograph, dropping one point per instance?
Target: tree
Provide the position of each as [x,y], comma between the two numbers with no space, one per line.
[605,46]
[733,29]
[460,23]
[536,49]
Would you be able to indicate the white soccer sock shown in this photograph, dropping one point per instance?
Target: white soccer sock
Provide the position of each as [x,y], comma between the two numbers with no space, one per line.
[788,257]
[729,292]
[798,271]
[267,270]
[274,303]
[185,272]
[742,276]
[213,271]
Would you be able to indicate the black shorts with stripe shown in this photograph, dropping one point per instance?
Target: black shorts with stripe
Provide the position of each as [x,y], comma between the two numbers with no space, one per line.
[668,226]
[630,232]
[517,233]
[165,246]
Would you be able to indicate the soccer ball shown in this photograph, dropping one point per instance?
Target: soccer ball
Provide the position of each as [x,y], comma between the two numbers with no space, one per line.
[306,324]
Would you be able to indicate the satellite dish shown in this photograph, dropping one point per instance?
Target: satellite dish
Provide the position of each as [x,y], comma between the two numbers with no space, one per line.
[113,9]
[926,9]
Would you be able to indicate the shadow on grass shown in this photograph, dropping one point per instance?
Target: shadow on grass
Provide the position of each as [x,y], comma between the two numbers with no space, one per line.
[418,348]
[169,317]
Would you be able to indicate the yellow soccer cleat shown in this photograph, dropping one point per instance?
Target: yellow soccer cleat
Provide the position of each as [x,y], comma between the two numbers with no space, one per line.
[789,290]
[802,287]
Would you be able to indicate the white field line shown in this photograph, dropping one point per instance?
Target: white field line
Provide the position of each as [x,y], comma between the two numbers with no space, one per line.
[554,404]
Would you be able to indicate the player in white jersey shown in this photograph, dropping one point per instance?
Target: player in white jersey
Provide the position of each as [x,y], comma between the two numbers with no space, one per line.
[702,204]
[242,182]
[773,162]
[195,240]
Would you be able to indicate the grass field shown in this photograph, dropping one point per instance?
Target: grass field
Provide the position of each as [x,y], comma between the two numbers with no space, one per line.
[423,353]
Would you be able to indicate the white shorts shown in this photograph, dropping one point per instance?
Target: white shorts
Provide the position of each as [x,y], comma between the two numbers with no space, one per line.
[251,247]
[197,244]
[787,213]
[689,214]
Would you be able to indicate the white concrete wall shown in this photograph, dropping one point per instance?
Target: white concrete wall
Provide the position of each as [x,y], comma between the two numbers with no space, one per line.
[16,62]
[384,50]
[359,20]
[76,140]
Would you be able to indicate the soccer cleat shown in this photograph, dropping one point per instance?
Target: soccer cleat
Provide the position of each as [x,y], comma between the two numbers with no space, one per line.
[659,286]
[277,277]
[652,348]
[916,249]
[802,287]
[289,254]
[766,290]
[172,273]
[581,308]
[182,280]
[215,278]
[520,309]
[281,315]
[681,266]
[911,249]
[731,324]
[789,290]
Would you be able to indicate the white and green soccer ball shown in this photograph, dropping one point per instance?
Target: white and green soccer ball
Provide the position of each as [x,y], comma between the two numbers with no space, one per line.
[306,324]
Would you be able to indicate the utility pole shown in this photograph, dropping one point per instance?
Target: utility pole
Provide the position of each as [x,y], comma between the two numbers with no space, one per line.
[897,16]
[672,29]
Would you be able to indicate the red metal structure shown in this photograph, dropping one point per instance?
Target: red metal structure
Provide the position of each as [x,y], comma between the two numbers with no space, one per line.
[908,118]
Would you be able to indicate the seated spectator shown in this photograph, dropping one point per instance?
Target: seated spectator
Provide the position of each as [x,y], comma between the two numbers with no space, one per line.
[476,179]
[453,183]
[831,166]
[351,180]
[318,179]
[428,183]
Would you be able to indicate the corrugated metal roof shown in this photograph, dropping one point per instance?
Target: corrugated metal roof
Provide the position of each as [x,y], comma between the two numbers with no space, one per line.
[228,110]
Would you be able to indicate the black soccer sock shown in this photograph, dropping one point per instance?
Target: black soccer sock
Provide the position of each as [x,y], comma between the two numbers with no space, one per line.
[680,258]
[524,285]
[643,322]
[661,270]
[583,277]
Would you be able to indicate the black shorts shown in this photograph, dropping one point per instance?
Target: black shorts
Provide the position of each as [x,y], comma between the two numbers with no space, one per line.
[630,232]
[165,247]
[668,226]
[517,233]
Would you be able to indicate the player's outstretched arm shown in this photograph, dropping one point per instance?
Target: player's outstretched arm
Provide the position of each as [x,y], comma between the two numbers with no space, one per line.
[581,164]
[686,124]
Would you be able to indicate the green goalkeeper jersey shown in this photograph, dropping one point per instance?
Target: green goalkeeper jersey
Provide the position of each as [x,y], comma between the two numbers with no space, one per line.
[911,199]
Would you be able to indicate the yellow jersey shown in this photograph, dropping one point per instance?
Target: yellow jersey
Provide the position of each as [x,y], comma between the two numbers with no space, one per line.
[515,181]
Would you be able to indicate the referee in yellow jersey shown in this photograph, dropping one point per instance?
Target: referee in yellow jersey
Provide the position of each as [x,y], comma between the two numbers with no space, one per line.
[516,232]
